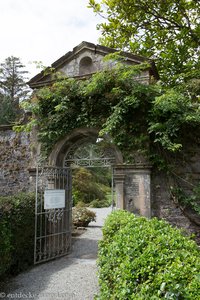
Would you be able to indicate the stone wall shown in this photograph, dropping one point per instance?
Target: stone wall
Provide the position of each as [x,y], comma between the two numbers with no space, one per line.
[15,160]
[140,189]
[186,176]
[132,184]
[146,191]
[164,206]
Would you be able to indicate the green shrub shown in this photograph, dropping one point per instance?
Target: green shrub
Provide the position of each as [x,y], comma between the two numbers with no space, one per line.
[82,216]
[99,203]
[81,204]
[85,186]
[16,232]
[5,246]
[146,259]
[90,185]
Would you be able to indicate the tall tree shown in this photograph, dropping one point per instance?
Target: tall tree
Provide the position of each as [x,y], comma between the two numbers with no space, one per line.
[13,88]
[167,30]
[7,112]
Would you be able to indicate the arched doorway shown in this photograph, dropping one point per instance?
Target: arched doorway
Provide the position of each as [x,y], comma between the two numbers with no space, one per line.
[92,172]
[83,147]
[54,188]
[78,138]
[90,154]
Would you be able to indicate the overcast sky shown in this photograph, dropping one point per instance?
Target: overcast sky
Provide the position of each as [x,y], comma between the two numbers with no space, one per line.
[44,30]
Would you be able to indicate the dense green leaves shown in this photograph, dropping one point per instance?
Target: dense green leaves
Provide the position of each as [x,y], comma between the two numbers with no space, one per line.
[146,259]
[133,114]
[7,111]
[172,112]
[192,200]
[110,100]
[13,89]
[168,31]
[90,185]
[17,225]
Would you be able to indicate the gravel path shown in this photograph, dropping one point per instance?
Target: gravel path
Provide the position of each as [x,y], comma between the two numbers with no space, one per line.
[72,277]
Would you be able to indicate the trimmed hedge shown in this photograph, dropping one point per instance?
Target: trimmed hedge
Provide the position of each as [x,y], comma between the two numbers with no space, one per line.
[17,218]
[144,259]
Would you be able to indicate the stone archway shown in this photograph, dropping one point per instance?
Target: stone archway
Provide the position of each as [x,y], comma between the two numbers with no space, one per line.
[132,182]
[62,152]
[78,137]
[85,153]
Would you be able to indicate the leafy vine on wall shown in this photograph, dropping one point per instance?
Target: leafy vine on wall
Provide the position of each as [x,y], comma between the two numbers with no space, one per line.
[146,119]
[116,103]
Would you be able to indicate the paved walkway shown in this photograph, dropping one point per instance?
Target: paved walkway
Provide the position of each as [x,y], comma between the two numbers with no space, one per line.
[72,277]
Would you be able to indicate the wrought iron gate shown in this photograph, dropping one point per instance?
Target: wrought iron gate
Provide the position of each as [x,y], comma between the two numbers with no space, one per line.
[52,213]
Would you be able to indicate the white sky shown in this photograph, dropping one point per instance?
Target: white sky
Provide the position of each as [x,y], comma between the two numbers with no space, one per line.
[44,30]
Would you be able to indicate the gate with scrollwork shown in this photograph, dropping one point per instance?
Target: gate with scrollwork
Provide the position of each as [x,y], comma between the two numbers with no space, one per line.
[53,209]
[89,154]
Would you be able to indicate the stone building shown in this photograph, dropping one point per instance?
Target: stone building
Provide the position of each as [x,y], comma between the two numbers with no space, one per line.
[139,187]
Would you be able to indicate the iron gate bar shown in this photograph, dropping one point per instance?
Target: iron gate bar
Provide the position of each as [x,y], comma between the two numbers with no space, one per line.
[52,226]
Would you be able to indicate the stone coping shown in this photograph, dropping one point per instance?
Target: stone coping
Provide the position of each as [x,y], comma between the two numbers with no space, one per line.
[133,166]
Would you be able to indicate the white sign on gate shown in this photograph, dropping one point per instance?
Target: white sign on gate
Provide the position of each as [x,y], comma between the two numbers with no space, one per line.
[54,199]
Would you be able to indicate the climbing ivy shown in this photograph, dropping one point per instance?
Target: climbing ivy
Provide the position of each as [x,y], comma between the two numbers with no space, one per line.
[140,118]
[191,200]
[133,114]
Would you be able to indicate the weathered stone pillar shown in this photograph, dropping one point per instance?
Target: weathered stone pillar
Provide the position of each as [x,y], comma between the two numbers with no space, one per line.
[134,182]
[119,189]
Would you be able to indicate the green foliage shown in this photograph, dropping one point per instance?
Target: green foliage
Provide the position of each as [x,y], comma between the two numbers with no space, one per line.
[13,89]
[6,246]
[16,232]
[12,80]
[7,114]
[141,120]
[133,114]
[191,200]
[88,185]
[110,100]
[172,112]
[99,203]
[81,216]
[168,31]
[146,259]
